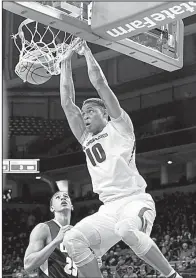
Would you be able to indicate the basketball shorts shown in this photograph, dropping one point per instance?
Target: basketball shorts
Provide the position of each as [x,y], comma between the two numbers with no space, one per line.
[99,228]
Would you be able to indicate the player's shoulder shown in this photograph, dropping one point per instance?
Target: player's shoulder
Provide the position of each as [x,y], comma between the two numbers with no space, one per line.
[124,116]
[40,230]
[41,226]
[123,125]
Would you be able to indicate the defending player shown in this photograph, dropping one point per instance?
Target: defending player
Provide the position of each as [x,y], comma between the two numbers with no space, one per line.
[128,212]
[45,250]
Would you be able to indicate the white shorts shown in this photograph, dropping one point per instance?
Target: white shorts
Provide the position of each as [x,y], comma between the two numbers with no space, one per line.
[99,228]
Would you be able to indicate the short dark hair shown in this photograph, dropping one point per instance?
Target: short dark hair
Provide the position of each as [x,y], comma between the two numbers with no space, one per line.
[95,101]
[53,197]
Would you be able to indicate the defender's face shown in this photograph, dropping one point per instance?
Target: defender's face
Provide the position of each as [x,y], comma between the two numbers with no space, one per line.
[93,117]
[61,202]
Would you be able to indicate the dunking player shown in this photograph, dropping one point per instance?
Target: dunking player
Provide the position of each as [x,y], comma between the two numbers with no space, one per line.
[128,212]
[45,250]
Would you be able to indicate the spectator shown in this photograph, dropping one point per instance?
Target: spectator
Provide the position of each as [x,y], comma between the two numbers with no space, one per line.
[130,273]
[185,252]
[173,231]
[31,221]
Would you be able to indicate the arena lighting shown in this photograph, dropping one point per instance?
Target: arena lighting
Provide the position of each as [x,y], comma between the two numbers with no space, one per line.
[63,185]
[169,162]
[49,180]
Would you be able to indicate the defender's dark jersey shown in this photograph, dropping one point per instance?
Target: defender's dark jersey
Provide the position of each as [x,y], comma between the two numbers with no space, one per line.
[59,264]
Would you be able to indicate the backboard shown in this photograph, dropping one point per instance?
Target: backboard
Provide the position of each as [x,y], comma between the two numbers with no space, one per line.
[161,44]
[116,21]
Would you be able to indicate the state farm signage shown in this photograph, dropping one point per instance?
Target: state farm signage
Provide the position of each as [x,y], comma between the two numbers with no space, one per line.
[153,20]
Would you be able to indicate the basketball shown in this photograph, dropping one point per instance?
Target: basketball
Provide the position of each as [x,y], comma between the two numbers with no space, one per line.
[29,70]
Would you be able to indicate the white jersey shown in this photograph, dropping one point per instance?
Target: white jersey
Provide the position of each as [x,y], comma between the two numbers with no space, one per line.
[110,157]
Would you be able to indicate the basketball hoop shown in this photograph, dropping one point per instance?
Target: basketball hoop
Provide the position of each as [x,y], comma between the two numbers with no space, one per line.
[42,45]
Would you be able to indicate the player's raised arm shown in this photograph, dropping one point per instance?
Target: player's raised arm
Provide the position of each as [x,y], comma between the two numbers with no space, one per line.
[67,94]
[100,83]
[120,118]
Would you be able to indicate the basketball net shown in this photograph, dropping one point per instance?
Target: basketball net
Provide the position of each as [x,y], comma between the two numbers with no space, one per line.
[43,47]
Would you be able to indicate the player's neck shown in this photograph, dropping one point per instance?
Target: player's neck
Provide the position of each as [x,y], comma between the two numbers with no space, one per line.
[100,129]
[62,219]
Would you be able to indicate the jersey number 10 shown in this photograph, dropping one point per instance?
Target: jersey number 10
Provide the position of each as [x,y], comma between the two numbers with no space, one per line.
[96,154]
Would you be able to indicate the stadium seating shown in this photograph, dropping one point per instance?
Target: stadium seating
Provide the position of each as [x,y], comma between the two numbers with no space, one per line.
[175,225]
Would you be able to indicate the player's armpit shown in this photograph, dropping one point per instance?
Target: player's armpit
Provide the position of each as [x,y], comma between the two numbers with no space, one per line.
[75,120]
[124,124]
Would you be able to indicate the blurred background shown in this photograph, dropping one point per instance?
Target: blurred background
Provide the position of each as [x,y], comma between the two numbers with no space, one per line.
[162,107]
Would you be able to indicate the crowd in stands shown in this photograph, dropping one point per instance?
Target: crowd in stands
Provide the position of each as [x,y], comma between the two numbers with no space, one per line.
[17,225]
[90,195]
[48,133]
[174,231]
[76,147]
